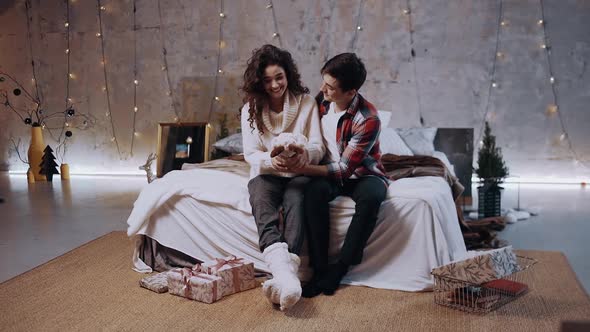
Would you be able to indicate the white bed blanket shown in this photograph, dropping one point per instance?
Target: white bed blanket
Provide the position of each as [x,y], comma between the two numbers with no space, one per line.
[205,213]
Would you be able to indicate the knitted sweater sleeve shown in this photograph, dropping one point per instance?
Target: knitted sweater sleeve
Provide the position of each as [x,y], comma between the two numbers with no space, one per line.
[255,153]
[315,143]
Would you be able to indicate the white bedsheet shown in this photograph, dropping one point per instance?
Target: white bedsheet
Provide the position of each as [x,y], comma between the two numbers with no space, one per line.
[205,213]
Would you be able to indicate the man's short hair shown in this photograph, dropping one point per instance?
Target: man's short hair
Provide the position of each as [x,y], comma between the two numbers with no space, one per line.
[348,69]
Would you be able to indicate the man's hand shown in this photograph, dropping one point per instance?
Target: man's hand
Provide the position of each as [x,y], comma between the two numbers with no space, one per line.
[276,151]
[282,163]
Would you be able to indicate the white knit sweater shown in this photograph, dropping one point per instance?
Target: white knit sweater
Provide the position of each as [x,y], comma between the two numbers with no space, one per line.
[300,115]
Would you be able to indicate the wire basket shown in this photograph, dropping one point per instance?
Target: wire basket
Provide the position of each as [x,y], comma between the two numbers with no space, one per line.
[484,298]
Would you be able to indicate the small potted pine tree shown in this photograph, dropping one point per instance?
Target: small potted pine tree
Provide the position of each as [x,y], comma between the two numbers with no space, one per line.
[491,171]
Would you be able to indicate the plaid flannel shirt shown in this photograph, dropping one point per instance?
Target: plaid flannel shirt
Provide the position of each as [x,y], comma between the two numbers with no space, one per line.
[357,137]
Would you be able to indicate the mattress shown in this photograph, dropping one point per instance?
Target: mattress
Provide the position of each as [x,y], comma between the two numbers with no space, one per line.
[205,213]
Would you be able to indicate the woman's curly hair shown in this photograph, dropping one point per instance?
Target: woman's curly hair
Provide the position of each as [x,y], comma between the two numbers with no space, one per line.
[253,87]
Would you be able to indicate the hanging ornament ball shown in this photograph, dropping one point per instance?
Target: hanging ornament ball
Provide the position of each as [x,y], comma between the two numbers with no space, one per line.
[71,112]
[16,91]
[68,133]
[28,121]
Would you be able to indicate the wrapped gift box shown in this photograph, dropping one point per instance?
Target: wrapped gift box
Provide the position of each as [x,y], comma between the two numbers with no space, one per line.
[484,266]
[237,274]
[157,283]
[194,285]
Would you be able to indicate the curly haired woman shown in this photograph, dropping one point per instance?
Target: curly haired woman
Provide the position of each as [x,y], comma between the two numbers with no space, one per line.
[276,103]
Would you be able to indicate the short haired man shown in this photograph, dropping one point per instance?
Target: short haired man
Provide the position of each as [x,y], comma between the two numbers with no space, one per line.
[352,167]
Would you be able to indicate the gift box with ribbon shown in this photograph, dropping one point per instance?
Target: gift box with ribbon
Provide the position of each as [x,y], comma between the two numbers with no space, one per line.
[237,274]
[194,285]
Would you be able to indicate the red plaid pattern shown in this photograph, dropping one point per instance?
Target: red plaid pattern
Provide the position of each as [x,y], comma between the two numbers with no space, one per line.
[357,136]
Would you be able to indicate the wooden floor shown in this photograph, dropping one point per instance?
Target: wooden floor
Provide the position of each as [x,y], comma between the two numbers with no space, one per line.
[41,221]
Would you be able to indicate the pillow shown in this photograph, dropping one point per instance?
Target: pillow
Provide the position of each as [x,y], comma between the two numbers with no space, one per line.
[419,140]
[230,144]
[391,142]
[384,116]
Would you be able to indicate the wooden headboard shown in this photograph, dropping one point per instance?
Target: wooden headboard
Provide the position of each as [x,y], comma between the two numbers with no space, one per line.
[457,144]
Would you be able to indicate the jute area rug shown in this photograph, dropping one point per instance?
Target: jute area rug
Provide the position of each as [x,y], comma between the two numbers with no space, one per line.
[94,288]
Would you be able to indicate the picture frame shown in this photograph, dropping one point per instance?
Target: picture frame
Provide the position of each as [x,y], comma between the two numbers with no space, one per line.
[181,142]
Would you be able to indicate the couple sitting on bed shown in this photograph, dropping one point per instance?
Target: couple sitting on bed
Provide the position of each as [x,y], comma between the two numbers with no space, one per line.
[341,157]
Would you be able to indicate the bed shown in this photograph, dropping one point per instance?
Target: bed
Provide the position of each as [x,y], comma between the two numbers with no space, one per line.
[203,211]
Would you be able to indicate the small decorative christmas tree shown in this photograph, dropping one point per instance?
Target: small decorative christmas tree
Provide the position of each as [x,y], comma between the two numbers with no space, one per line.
[48,165]
[491,171]
[491,167]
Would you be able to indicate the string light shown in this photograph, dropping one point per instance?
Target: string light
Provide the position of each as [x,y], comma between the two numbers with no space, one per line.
[169,91]
[564,136]
[276,34]
[135,81]
[493,83]
[540,22]
[30,37]
[98,34]
[101,8]
[216,83]
[359,27]
[222,15]
[408,13]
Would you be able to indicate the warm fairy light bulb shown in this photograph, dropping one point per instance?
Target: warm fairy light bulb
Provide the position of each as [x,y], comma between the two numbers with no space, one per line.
[135,109]
[552,79]
[98,34]
[175,119]
[406,11]
[494,84]
[359,27]
[103,8]
[543,46]
[562,136]
[163,68]
[222,15]
[540,22]
[269,6]
[551,109]
[71,75]
[104,88]
[500,55]
[33,80]
[67,124]
[136,133]
[67,50]
[217,98]
[276,34]
[220,71]
[43,126]
[136,82]
[189,140]
[503,23]
[113,139]
[66,24]
[70,100]
[107,114]
[102,62]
